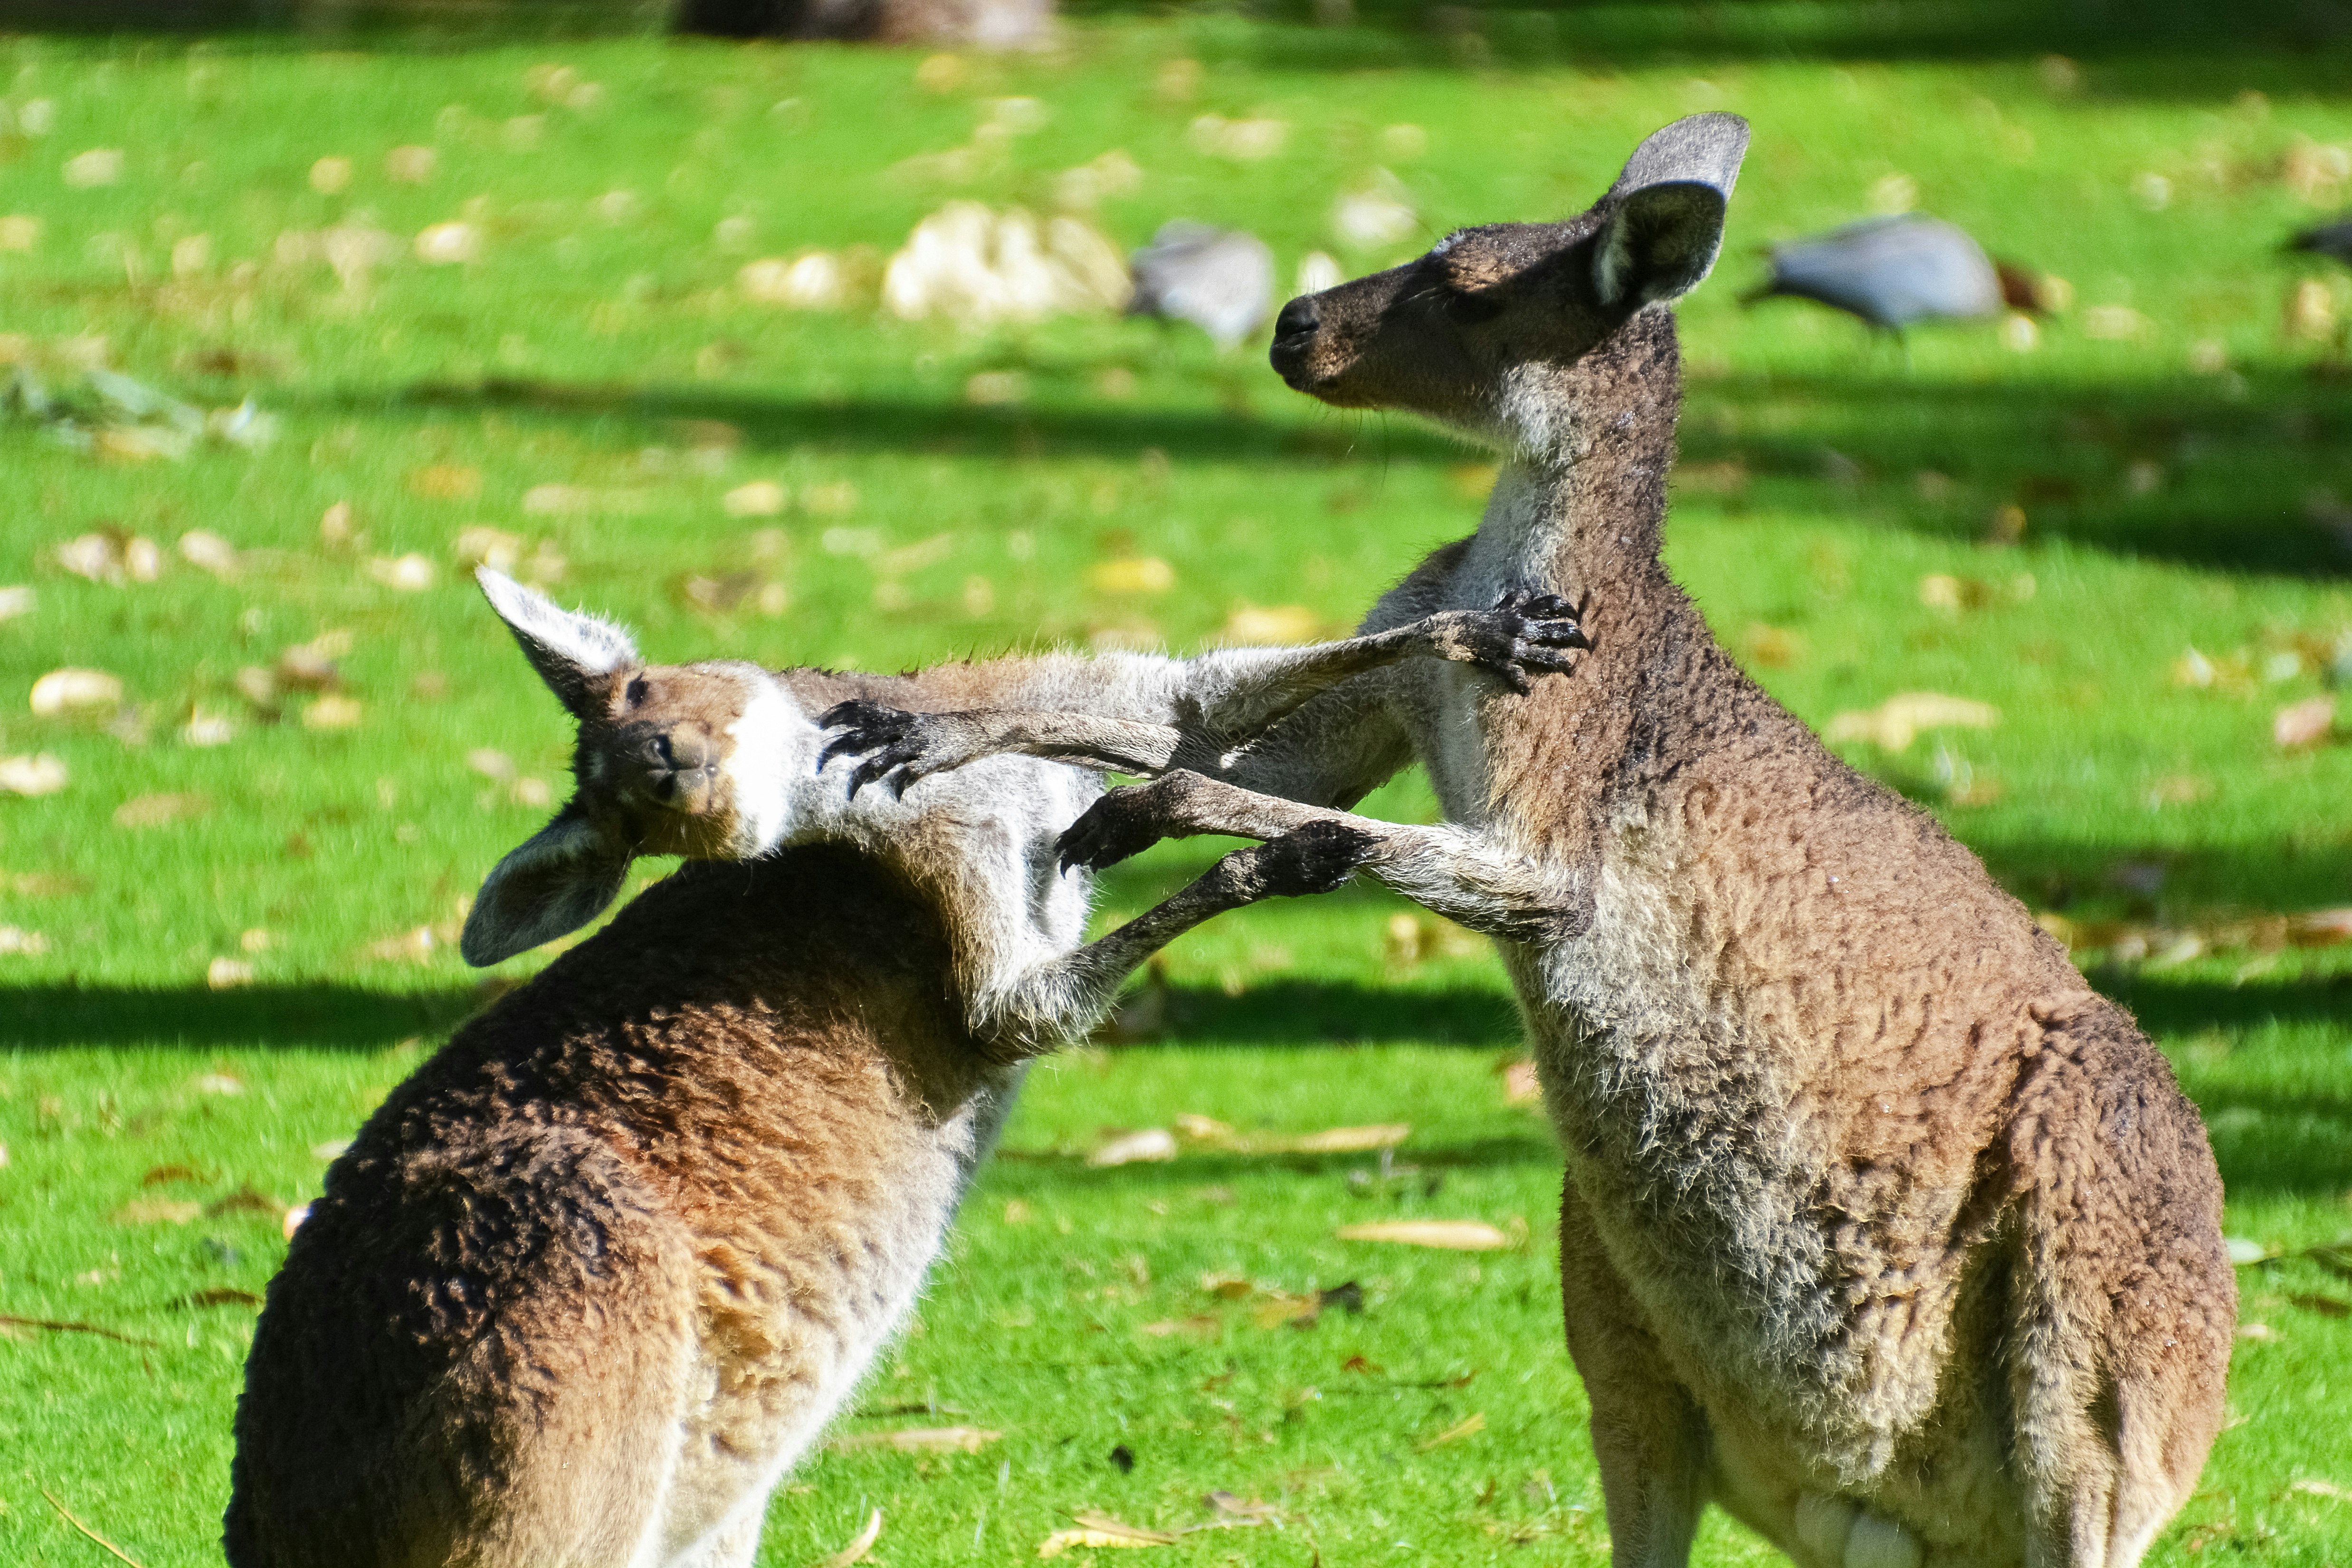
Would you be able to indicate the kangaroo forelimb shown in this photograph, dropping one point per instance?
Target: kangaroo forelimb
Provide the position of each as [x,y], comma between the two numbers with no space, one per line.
[1462,875]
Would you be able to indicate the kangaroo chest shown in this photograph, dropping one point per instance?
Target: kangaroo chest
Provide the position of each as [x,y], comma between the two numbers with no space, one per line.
[1685,1113]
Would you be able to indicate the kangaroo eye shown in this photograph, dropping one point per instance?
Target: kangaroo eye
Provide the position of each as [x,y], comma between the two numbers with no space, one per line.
[634,692]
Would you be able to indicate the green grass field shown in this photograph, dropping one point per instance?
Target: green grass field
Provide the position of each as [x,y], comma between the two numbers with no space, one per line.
[215,958]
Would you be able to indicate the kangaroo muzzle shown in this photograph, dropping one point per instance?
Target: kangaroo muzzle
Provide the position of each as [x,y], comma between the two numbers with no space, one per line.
[673,768]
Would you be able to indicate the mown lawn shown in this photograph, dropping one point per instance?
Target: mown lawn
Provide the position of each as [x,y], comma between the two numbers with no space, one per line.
[215,958]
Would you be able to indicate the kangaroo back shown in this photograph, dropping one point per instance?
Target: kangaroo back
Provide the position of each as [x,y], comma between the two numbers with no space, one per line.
[587,1283]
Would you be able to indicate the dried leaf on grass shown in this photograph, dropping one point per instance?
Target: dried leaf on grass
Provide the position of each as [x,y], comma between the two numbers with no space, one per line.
[39,774]
[583,500]
[158,1211]
[1140,574]
[1893,724]
[1101,1530]
[220,1296]
[59,1325]
[857,1549]
[417,946]
[66,1515]
[2163,944]
[245,1200]
[1149,1146]
[76,693]
[2306,723]
[1334,1140]
[1201,1325]
[160,810]
[923,1440]
[1260,625]
[1216,1135]
[2312,1487]
[1452,1235]
[409,573]
[1469,1426]
[1252,1509]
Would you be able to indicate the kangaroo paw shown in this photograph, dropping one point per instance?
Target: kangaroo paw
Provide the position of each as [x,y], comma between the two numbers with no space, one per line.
[1522,637]
[1122,823]
[895,748]
[1313,859]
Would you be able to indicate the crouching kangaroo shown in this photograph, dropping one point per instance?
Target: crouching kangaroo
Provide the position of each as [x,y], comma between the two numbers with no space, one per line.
[1881,1228]
[587,1284]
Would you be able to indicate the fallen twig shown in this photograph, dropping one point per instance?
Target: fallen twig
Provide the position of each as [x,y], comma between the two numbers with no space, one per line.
[856,1550]
[56,1325]
[66,1515]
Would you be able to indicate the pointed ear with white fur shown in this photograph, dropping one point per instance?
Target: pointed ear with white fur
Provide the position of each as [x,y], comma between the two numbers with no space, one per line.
[557,880]
[1664,225]
[577,656]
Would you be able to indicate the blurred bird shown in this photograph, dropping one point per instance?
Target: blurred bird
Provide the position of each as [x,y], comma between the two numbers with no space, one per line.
[1890,272]
[2326,240]
[1221,280]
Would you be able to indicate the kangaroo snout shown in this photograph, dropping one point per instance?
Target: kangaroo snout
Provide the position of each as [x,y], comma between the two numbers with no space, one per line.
[1293,335]
[672,766]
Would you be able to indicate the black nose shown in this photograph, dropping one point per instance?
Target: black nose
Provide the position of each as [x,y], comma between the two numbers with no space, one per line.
[675,751]
[1299,315]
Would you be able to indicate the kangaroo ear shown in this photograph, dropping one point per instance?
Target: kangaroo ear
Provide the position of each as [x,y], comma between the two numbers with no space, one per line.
[1666,211]
[577,656]
[559,879]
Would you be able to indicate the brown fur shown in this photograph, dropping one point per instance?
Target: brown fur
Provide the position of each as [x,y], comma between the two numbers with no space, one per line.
[590,1282]
[659,1185]
[1882,1228]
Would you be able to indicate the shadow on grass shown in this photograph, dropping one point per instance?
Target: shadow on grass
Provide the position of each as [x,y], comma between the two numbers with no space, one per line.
[1339,1012]
[2172,1008]
[952,429]
[2152,48]
[321,1016]
[1534,1147]
[2080,879]
[2181,469]
[1422,33]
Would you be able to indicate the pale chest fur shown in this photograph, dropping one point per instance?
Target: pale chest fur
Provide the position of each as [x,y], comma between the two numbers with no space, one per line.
[800,1284]
[1694,1074]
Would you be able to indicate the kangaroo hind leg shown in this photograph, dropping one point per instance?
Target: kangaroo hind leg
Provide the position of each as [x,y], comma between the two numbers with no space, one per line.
[2124,1301]
[1648,1433]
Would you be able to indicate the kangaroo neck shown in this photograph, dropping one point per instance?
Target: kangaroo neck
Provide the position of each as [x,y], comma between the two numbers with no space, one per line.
[1580,507]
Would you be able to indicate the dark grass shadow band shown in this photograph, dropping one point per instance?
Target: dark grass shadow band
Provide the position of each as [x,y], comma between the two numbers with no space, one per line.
[1361,35]
[2240,472]
[321,1016]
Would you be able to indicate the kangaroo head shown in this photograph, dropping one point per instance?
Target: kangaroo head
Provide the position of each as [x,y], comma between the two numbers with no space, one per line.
[681,759]
[1459,334]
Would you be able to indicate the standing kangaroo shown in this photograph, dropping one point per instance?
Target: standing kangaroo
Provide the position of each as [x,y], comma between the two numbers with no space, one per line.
[587,1285]
[1881,1228]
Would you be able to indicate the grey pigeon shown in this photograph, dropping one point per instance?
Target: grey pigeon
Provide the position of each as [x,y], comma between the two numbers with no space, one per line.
[1890,272]
[1221,280]
[2327,239]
